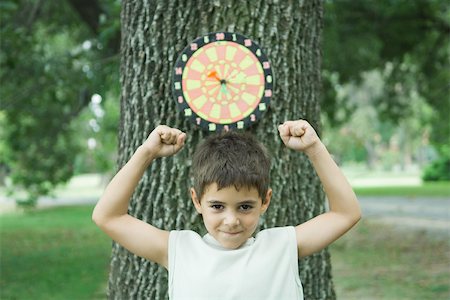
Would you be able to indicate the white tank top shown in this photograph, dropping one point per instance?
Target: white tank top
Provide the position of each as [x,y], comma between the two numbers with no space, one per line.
[265,267]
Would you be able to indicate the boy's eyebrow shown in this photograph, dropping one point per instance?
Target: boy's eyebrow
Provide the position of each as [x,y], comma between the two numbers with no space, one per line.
[215,202]
[248,201]
[241,202]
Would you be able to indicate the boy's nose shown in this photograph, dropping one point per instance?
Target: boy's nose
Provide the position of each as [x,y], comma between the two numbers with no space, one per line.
[231,219]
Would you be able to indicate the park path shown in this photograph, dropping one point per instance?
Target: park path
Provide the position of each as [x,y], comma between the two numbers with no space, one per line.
[428,214]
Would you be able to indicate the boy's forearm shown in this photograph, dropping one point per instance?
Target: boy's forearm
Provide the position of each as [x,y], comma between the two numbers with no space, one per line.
[116,197]
[340,194]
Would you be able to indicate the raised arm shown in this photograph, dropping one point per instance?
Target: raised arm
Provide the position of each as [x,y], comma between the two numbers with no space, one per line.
[344,211]
[111,212]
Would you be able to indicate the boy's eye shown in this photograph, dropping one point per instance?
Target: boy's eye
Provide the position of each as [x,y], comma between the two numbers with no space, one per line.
[217,206]
[246,207]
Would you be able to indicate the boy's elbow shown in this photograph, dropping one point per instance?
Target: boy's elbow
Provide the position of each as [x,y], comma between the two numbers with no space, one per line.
[353,214]
[103,218]
[97,217]
[356,216]
[352,219]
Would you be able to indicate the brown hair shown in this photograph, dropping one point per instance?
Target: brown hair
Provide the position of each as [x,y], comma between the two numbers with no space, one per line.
[231,158]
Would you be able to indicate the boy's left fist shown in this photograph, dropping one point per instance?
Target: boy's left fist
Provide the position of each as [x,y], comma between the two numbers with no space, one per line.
[298,135]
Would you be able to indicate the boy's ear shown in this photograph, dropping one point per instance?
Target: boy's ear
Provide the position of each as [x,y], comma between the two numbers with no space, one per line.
[266,201]
[196,201]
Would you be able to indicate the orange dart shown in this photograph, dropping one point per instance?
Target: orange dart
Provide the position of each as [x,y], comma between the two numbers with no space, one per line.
[213,74]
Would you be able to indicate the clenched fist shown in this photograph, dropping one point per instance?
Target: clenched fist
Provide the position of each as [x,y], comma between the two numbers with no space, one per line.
[299,135]
[164,141]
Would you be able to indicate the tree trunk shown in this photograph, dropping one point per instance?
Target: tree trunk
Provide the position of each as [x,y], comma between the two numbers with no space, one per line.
[153,34]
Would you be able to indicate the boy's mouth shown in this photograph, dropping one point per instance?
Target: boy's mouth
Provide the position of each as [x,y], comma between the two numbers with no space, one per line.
[232,232]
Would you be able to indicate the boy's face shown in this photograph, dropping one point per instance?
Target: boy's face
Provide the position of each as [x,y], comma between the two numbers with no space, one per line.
[230,215]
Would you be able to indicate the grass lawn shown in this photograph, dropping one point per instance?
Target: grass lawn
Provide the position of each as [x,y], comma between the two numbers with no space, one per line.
[58,253]
[376,261]
[54,253]
[427,189]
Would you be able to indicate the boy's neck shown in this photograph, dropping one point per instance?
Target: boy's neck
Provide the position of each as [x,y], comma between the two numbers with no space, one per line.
[211,241]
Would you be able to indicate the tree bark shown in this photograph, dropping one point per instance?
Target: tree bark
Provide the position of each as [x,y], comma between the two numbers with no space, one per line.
[153,34]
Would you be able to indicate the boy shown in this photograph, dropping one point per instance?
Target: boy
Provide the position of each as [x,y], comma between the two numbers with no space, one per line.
[231,191]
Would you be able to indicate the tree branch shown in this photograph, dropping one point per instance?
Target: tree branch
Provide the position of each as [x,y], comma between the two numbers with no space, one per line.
[89,11]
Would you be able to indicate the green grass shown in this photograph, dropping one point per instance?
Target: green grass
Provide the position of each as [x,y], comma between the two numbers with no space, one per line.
[55,253]
[375,261]
[428,189]
[58,253]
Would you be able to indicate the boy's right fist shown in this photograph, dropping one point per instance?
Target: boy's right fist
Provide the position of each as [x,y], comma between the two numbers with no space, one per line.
[299,135]
[164,141]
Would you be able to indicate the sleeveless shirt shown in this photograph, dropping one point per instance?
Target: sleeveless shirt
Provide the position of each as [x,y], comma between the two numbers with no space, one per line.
[265,267]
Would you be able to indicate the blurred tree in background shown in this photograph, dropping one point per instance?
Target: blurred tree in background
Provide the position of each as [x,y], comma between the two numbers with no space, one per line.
[383,144]
[407,42]
[53,60]
[59,94]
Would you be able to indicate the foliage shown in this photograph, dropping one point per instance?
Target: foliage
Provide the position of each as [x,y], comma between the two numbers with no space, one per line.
[406,44]
[439,170]
[50,67]
[98,125]
[405,40]
[367,137]
[56,54]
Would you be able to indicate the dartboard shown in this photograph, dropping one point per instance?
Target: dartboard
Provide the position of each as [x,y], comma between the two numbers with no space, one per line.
[222,81]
